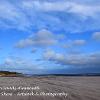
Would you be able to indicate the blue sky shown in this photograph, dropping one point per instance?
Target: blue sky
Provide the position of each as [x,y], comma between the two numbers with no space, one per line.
[50,36]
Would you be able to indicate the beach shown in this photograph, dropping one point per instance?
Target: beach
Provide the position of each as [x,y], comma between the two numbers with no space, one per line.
[50,88]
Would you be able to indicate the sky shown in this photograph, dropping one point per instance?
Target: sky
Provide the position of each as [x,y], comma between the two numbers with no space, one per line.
[50,36]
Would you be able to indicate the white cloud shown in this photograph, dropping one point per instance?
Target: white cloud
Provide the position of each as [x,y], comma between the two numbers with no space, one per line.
[19,63]
[36,14]
[27,15]
[74,43]
[79,42]
[96,36]
[23,65]
[51,55]
[13,17]
[79,60]
[24,43]
[42,38]
[64,6]
[8,61]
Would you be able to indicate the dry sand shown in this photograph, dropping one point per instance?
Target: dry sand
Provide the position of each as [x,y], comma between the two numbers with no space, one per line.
[77,88]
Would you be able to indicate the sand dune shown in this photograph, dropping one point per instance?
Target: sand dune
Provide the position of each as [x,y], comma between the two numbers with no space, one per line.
[75,88]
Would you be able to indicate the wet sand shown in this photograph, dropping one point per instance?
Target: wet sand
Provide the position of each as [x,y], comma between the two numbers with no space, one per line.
[76,88]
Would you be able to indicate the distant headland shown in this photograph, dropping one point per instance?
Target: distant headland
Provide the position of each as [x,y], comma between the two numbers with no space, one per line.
[10,74]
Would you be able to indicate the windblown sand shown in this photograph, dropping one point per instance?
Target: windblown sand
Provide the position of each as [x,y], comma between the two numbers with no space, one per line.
[77,88]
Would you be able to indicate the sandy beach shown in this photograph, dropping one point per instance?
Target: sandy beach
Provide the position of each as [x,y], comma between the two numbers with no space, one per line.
[50,88]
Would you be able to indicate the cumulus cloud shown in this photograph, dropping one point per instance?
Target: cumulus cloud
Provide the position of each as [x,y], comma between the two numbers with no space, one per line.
[96,36]
[79,60]
[42,38]
[22,65]
[24,43]
[8,61]
[18,63]
[49,54]
[73,43]
[79,42]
